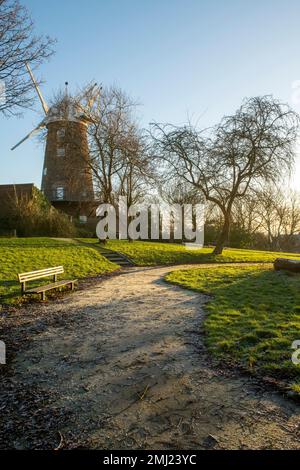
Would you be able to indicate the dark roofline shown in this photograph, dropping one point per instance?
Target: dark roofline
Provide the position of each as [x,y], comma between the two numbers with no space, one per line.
[17,186]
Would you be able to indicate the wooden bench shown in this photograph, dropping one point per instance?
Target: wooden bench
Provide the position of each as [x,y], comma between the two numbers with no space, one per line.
[34,275]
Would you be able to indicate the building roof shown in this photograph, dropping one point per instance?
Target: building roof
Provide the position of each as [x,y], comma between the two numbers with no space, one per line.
[25,187]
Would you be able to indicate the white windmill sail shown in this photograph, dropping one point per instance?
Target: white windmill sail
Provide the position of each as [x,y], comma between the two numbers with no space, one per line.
[44,106]
[43,102]
[36,129]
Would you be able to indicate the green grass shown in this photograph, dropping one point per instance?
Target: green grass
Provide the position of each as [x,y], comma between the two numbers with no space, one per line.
[253,317]
[29,254]
[152,253]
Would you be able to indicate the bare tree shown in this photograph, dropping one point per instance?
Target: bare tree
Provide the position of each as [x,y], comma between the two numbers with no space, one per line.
[18,46]
[292,223]
[180,192]
[279,214]
[254,145]
[246,213]
[118,149]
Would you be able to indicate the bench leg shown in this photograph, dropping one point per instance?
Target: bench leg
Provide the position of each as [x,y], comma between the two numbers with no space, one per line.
[43,295]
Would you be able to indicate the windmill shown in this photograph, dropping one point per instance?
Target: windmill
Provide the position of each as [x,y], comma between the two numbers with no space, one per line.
[67,177]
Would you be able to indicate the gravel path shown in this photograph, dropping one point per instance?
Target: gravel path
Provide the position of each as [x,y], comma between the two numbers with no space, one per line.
[130,371]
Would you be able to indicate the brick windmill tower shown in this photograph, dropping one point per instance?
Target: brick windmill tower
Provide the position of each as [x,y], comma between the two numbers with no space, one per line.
[67,176]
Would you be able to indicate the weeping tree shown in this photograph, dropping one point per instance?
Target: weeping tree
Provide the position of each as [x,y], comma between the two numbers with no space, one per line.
[247,149]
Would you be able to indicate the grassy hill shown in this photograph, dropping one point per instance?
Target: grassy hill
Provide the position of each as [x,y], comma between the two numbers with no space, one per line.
[28,254]
[152,253]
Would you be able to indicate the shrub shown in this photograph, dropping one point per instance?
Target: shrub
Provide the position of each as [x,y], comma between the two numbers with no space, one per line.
[36,217]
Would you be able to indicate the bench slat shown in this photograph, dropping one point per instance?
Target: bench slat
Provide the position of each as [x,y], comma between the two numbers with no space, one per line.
[38,290]
[30,276]
[42,270]
[39,276]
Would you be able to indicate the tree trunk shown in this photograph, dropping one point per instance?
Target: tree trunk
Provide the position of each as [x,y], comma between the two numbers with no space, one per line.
[287,264]
[224,235]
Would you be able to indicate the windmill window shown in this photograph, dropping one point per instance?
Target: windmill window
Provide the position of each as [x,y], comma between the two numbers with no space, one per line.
[61,133]
[61,152]
[83,219]
[60,193]
[45,171]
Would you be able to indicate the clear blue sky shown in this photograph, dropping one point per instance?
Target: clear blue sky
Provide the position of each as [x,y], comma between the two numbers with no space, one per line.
[179,58]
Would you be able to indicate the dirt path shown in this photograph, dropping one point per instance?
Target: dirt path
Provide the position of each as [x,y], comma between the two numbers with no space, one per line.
[131,372]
